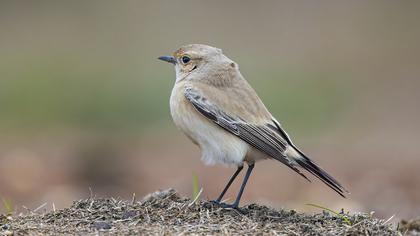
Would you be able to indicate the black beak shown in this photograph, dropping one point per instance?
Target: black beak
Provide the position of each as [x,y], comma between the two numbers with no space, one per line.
[168,59]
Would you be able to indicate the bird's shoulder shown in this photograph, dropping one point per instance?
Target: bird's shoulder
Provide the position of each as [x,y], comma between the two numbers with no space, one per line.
[238,100]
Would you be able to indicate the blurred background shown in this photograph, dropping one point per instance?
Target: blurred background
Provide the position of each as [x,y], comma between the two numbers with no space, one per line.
[84,103]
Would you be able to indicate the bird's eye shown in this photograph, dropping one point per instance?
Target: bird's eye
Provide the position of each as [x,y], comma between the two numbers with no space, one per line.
[185,59]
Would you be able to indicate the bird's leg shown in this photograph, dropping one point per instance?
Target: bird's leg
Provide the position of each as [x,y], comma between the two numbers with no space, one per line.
[238,198]
[228,184]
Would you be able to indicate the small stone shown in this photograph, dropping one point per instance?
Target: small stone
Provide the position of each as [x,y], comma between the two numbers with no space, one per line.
[7,233]
[128,214]
[100,225]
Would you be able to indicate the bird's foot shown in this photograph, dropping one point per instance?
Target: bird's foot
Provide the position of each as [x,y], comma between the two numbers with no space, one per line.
[228,206]
[216,202]
[225,205]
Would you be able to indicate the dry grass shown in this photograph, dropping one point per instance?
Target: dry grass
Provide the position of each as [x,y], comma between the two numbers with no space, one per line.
[166,213]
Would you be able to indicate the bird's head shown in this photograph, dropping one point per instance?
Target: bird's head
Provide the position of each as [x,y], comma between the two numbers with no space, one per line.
[197,59]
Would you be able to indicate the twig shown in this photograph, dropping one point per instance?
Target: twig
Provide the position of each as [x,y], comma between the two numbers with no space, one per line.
[133,199]
[390,218]
[40,207]
[26,208]
[196,197]
[91,193]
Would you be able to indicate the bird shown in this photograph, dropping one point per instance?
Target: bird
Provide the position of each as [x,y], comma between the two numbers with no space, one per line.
[218,110]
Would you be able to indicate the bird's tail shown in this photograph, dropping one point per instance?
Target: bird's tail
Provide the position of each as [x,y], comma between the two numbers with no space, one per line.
[314,169]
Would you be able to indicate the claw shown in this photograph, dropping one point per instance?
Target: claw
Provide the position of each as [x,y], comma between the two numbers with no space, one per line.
[224,205]
[217,202]
[228,206]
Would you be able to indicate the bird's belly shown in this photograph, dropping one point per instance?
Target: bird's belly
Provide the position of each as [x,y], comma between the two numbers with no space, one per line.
[217,145]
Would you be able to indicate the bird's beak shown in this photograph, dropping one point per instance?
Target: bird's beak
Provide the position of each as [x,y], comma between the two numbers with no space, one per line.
[169,59]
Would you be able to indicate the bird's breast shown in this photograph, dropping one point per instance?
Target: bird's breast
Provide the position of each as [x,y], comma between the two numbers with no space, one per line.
[217,145]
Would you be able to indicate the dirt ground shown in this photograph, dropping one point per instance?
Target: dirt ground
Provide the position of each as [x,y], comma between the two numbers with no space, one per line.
[166,213]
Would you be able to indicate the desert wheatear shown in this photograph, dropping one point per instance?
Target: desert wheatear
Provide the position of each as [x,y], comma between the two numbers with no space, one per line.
[220,112]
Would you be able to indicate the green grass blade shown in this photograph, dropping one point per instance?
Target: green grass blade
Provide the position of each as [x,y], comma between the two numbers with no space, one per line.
[345,219]
[8,206]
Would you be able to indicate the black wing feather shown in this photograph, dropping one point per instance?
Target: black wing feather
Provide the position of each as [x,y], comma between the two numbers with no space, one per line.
[306,163]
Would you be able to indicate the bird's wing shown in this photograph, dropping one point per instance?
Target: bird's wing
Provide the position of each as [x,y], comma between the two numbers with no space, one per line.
[262,137]
[259,129]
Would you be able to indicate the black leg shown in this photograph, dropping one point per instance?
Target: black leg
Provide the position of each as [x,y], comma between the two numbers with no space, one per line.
[229,184]
[238,198]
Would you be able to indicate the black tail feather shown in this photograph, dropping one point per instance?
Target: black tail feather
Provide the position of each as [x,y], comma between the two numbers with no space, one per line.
[314,169]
